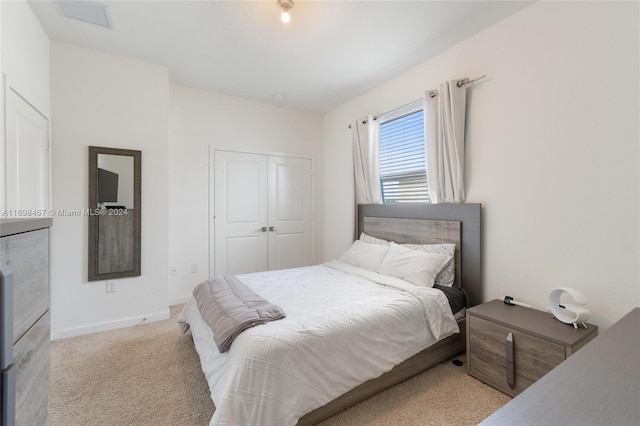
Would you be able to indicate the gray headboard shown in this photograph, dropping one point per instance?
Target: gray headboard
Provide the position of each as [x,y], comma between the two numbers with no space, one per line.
[452,223]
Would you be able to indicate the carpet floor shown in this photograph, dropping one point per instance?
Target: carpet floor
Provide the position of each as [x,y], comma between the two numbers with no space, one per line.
[150,375]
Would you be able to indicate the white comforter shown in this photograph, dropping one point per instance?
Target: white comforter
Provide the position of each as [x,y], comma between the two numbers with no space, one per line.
[341,330]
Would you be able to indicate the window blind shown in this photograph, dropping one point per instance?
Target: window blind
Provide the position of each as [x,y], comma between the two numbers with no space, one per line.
[402,160]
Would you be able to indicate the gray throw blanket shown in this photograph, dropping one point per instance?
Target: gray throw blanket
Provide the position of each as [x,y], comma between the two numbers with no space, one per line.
[229,307]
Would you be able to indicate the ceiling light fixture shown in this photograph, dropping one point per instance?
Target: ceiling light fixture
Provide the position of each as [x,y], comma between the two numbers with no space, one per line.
[285,5]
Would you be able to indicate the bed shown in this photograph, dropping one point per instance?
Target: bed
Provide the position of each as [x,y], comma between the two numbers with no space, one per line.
[345,337]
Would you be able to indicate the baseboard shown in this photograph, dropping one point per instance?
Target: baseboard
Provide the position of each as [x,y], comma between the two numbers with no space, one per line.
[112,325]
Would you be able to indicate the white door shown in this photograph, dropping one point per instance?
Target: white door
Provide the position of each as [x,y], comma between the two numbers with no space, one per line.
[289,212]
[262,213]
[26,161]
[240,213]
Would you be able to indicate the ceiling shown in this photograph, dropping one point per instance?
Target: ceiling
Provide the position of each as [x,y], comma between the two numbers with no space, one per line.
[330,52]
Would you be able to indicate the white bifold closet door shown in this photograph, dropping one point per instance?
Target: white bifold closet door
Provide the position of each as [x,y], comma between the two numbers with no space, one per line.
[262,212]
[24,183]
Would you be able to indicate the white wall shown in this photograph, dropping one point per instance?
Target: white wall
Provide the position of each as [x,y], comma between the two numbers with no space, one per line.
[199,119]
[552,151]
[105,100]
[25,54]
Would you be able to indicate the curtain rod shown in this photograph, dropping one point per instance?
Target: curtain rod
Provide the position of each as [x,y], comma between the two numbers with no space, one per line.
[459,83]
[464,81]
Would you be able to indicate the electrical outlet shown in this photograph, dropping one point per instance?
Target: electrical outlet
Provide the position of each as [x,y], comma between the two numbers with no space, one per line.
[111,287]
[173,271]
[194,268]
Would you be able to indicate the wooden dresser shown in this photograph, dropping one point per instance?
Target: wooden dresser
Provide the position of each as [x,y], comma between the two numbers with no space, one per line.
[24,249]
[510,347]
[599,385]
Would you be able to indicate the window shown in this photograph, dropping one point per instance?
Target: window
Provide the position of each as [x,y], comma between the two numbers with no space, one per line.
[403,170]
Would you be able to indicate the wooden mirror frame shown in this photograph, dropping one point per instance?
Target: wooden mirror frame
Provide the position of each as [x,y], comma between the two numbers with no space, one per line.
[95,214]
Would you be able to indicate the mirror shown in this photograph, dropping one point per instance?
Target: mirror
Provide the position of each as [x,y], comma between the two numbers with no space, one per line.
[114,213]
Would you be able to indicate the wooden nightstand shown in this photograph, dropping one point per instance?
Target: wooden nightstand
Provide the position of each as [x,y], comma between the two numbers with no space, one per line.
[537,340]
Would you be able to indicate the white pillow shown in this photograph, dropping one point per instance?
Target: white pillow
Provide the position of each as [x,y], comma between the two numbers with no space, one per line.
[364,255]
[417,267]
[366,238]
[446,277]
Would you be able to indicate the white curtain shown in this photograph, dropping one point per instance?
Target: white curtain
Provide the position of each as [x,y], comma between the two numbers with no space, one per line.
[444,116]
[365,157]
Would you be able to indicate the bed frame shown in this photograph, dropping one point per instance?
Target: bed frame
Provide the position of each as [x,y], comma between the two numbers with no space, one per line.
[419,224]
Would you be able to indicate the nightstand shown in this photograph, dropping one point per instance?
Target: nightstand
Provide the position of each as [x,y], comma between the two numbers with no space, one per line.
[509,347]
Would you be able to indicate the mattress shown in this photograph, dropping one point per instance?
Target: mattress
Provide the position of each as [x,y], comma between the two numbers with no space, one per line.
[344,326]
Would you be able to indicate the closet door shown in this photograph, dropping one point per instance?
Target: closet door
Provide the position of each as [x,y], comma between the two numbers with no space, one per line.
[290,216]
[240,199]
[262,213]
[26,162]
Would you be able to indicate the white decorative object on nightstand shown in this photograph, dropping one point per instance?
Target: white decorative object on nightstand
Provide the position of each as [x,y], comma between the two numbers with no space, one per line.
[569,313]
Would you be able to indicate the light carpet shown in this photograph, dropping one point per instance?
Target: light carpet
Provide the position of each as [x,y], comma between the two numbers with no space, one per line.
[150,375]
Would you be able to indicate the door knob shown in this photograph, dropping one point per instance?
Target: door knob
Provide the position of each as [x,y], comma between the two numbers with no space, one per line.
[272,228]
[263,229]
